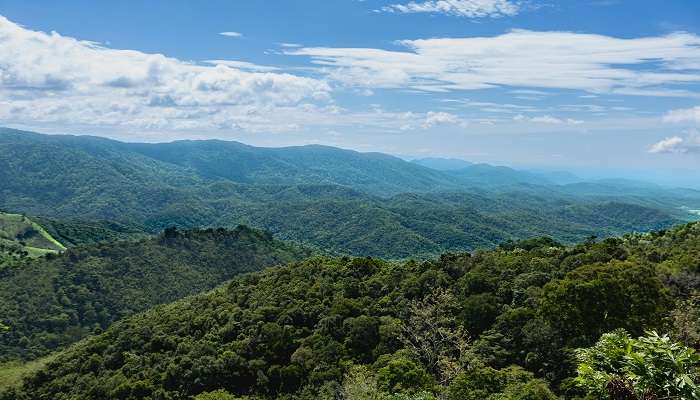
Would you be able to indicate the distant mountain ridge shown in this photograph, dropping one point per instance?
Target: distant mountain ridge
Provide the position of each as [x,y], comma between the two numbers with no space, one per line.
[442,164]
[341,201]
[375,173]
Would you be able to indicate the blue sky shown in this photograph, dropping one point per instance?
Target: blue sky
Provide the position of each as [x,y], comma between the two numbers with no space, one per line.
[599,87]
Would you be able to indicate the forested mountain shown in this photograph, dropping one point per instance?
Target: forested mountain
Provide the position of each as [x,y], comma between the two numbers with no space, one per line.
[375,173]
[76,232]
[489,175]
[346,202]
[499,324]
[55,300]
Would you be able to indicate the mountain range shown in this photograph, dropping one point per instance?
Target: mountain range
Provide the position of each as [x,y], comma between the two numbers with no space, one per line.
[341,201]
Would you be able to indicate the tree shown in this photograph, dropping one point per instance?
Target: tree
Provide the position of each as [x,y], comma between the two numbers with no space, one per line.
[402,375]
[686,322]
[650,367]
[433,335]
[512,383]
[360,384]
[599,298]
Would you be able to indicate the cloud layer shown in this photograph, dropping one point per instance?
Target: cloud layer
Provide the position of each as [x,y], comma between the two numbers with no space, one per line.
[460,8]
[47,77]
[656,66]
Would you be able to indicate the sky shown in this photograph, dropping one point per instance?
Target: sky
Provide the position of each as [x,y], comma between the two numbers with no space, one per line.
[597,87]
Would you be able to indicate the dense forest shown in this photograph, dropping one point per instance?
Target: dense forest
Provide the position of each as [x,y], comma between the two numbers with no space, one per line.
[347,202]
[616,318]
[434,279]
[56,300]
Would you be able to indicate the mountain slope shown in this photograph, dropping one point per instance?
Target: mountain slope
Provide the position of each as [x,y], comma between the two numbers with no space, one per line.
[290,190]
[53,301]
[20,236]
[375,173]
[75,232]
[495,176]
[294,332]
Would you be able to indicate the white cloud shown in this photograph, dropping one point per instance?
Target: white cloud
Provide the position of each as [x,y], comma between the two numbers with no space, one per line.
[691,115]
[490,107]
[49,78]
[243,65]
[521,59]
[677,145]
[460,8]
[433,118]
[231,34]
[547,119]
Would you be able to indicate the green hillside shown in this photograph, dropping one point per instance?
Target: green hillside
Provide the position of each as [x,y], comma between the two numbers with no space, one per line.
[56,300]
[22,237]
[375,173]
[75,232]
[500,324]
[340,201]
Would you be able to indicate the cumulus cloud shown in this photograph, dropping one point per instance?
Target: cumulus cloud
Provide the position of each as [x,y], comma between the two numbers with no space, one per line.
[49,77]
[677,145]
[231,34]
[655,66]
[460,8]
[433,118]
[691,115]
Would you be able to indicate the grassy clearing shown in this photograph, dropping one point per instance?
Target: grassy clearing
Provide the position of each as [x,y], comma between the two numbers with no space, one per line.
[12,372]
[19,232]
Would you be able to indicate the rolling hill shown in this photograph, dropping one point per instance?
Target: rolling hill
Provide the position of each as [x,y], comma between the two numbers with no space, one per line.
[55,300]
[496,319]
[341,201]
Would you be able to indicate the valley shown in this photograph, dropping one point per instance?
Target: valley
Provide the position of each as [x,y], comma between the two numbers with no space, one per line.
[215,270]
[350,200]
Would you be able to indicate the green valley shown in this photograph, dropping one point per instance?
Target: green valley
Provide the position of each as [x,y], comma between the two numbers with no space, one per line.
[349,202]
